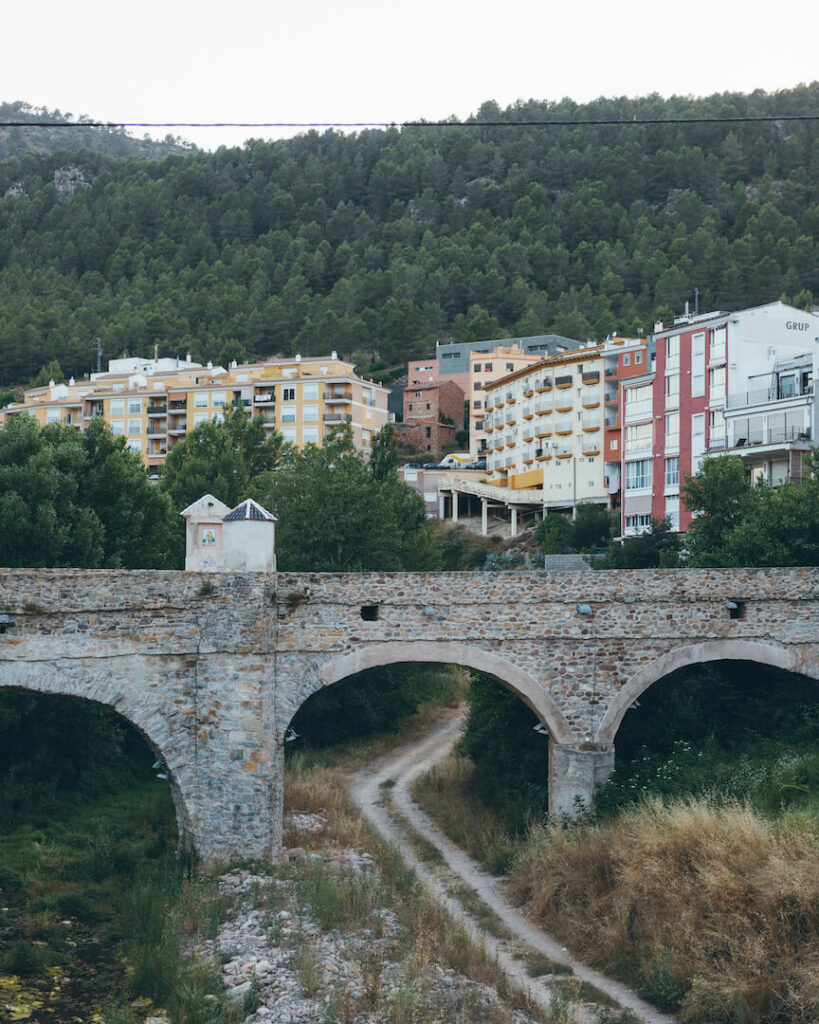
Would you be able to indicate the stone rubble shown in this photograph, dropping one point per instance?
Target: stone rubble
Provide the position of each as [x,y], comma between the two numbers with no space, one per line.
[265,955]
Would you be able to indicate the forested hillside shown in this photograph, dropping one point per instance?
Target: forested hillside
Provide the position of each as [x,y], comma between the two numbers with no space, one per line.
[19,139]
[383,241]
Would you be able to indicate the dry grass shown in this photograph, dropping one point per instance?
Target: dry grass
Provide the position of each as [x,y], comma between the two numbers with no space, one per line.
[429,935]
[447,794]
[716,910]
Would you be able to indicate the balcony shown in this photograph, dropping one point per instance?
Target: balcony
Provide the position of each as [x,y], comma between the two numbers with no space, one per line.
[341,396]
[528,412]
[591,446]
[590,398]
[265,398]
[178,405]
[336,417]
[528,433]
[611,371]
[160,409]
[563,403]
[543,430]
[593,377]
[528,390]
[528,459]
[564,382]
[545,384]
[156,431]
[542,454]
[177,428]
[564,453]
[511,417]
[543,408]
[510,397]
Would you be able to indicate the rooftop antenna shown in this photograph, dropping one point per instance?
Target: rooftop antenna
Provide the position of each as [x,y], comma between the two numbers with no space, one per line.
[99,355]
[696,302]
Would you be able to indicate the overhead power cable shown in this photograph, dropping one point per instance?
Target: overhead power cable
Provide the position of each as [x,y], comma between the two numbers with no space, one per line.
[550,123]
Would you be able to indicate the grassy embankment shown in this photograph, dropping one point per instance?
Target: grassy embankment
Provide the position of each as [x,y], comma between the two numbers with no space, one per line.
[697,881]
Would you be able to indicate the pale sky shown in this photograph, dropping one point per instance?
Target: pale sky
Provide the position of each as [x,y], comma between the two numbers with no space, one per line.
[372,60]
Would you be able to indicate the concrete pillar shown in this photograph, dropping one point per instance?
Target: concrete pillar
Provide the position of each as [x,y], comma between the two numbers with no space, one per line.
[513,529]
[484,517]
[454,505]
[576,772]
[441,505]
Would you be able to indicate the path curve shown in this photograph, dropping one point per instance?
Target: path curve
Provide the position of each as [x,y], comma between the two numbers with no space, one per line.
[402,766]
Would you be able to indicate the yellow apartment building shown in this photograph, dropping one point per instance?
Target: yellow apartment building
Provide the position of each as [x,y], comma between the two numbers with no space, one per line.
[484,368]
[154,403]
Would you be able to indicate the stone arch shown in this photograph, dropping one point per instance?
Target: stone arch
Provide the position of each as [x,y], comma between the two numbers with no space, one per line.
[106,687]
[790,659]
[530,691]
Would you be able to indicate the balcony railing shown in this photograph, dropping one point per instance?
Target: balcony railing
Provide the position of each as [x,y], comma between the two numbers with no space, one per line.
[564,382]
[592,377]
[158,410]
[759,397]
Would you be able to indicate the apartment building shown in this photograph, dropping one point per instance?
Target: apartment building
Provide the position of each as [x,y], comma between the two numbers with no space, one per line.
[153,404]
[545,429]
[706,373]
[452,360]
[483,370]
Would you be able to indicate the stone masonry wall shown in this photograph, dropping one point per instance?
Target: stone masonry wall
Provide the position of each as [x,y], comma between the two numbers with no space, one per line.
[211,670]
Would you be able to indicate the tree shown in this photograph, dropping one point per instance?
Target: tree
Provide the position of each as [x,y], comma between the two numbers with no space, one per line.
[222,459]
[720,497]
[138,519]
[741,525]
[384,454]
[336,515]
[80,500]
[655,548]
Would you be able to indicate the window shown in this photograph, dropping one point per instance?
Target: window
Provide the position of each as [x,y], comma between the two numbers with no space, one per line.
[309,392]
[309,435]
[638,438]
[638,357]
[639,402]
[672,353]
[672,390]
[218,399]
[117,406]
[117,427]
[698,365]
[672,512]
[288,394]
[487,367]
[199,418]
[309,413]
[718,343]
[200,400]
[672,472]
[288,415]
[635,523]
[429,431]
[613,444]
[289,434]
[716,383]
[697,440]
[672,430]
[477,386]
[716,425]
[476,404]
[627,359]
[135,446]
[53,416]
[134,407]
[638,475]
[510,367]
[134,427]
[787,385]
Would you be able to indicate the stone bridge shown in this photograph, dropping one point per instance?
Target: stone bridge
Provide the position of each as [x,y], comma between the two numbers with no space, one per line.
[212,668]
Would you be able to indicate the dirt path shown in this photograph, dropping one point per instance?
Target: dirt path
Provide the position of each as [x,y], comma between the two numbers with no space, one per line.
[399,769]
